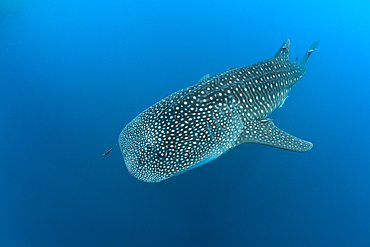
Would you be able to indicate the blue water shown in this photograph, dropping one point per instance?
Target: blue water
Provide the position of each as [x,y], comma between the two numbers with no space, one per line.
[74,73]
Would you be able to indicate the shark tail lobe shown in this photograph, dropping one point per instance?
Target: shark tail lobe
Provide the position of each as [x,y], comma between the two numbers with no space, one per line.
[308,53]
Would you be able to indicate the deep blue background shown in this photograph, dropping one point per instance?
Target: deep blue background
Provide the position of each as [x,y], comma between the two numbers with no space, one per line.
[74,73]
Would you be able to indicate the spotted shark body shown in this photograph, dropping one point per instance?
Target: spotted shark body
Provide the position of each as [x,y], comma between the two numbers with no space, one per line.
[198,124]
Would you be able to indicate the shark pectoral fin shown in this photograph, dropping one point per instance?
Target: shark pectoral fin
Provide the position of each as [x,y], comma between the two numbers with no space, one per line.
[265,132]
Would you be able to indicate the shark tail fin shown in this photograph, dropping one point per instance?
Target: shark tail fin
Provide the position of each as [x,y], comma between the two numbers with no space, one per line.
[308,53]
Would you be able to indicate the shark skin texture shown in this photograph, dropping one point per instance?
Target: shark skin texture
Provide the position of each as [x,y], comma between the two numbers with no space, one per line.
[198,124]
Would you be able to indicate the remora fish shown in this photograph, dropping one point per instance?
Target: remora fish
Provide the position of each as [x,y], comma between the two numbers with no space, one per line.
[198,124]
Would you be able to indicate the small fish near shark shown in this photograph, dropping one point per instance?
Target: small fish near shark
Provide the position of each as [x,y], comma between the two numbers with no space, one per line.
[198,124]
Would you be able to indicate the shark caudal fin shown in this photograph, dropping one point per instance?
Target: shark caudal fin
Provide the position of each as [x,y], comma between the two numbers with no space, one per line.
[308,53]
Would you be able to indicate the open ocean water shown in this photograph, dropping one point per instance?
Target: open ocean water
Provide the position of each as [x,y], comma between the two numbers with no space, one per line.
[74,73]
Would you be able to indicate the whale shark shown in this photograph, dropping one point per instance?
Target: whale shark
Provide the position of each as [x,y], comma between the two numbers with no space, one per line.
[198,124]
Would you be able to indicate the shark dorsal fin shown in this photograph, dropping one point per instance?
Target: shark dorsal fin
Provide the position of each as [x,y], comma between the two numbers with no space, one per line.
[283,52]
[203,78]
